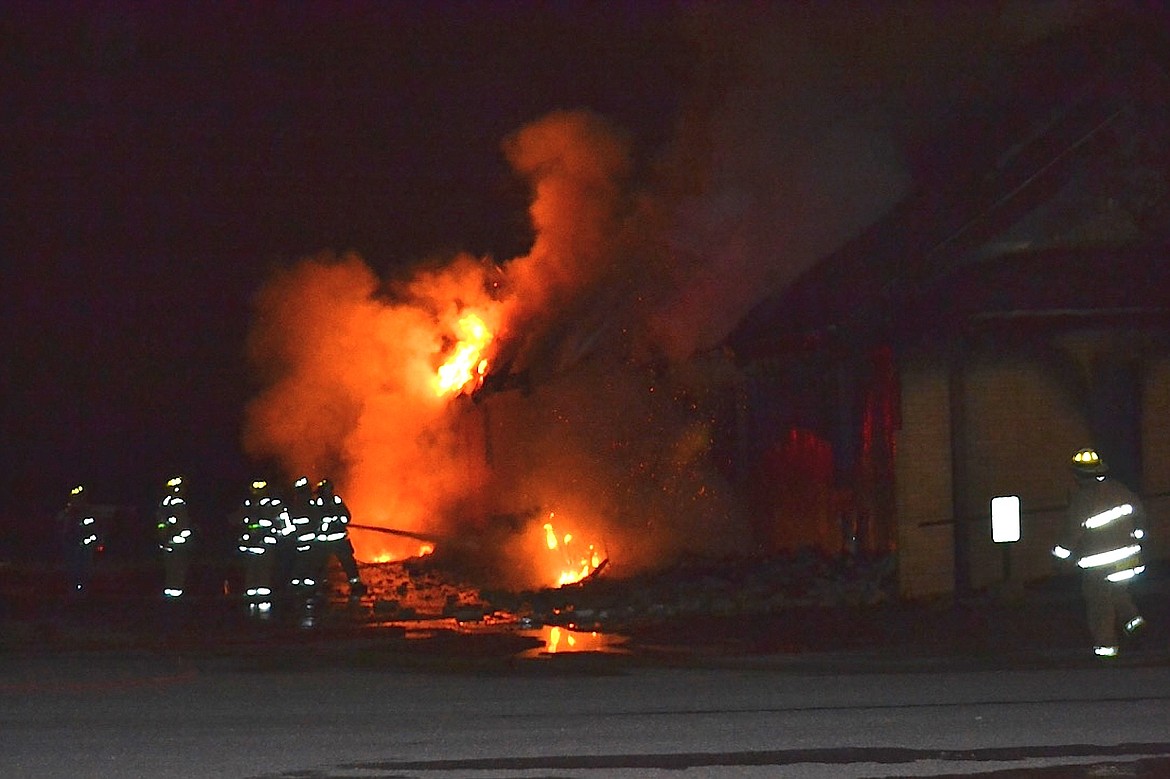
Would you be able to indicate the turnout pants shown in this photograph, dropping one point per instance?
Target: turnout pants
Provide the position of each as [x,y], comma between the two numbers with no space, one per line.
[343,551]
[1108,606]
[306,569]
[176,563]
[80,564]
[258,570]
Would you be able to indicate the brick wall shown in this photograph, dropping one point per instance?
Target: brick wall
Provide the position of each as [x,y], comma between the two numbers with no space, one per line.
[1024,417]
[1022,426]
[1156,456]
[923,475]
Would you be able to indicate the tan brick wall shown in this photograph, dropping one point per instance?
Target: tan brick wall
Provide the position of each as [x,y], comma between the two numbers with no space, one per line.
[1156,457]
[1021,428]
[1022,423]
[923,476]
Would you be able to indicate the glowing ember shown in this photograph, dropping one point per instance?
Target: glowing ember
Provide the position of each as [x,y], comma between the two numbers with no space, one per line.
[579,560]
[465,368]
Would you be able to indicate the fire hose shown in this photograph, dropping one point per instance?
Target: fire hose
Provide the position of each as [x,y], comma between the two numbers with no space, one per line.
[395,532]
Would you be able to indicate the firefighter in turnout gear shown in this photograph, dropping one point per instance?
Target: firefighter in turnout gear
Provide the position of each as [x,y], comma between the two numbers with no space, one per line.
[1104,539]
[81,537]
[333,536]
[264,520]
[174,537]
[304,570]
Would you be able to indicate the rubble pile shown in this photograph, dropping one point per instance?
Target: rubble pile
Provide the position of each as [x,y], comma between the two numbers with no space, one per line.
[722,587]
[422,588]
[417,589]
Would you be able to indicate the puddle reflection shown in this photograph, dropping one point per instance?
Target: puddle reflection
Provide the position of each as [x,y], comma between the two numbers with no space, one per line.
[560,640]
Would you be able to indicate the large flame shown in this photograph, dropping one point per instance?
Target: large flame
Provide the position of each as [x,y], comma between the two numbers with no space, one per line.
[367,382]
[464,370]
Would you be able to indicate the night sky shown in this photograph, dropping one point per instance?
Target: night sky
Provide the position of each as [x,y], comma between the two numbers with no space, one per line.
[160,162]
[162,159]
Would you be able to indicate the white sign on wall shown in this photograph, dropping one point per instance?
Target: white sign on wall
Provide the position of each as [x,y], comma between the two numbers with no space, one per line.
[1005,519]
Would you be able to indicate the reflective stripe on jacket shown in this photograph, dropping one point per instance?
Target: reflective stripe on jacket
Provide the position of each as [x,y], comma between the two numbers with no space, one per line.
[334,517]
[174,525]
[264,523]
[1104,531]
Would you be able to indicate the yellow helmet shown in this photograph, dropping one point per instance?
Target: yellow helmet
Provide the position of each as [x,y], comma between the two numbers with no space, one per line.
[1088,463]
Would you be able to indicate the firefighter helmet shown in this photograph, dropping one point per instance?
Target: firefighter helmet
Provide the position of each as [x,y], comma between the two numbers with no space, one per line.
[175,484]
[1087,462]
[324,487]
[259,486]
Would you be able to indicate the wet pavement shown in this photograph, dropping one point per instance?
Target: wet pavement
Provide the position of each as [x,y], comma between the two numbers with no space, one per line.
[116,626]
[1036,628]
[159,713]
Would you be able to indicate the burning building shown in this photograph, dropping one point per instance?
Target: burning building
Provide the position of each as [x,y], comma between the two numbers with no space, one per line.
[507,406]
[616,393]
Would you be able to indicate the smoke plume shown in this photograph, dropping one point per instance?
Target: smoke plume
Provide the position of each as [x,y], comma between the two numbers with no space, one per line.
[349,365]
[607,406]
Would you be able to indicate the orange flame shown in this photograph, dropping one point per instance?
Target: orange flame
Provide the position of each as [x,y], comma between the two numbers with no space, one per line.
[360,373]
[386,556]
[465,368]
[578,562]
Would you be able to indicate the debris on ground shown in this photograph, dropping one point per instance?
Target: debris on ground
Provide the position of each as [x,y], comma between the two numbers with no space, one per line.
[422,588]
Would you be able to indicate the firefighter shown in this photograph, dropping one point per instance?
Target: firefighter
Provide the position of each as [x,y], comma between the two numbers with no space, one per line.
[1104,539]
[174,537]
[81,534]
[304,566]
[264,520]
[333,536]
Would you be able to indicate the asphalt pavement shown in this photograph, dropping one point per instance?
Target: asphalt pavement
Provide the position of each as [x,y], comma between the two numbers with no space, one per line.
[1038,629]
[1042,625]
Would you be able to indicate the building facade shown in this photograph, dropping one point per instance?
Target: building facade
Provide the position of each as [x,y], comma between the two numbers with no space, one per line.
[1015,308]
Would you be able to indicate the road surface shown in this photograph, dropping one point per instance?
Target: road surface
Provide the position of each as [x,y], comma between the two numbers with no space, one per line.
[169,714]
